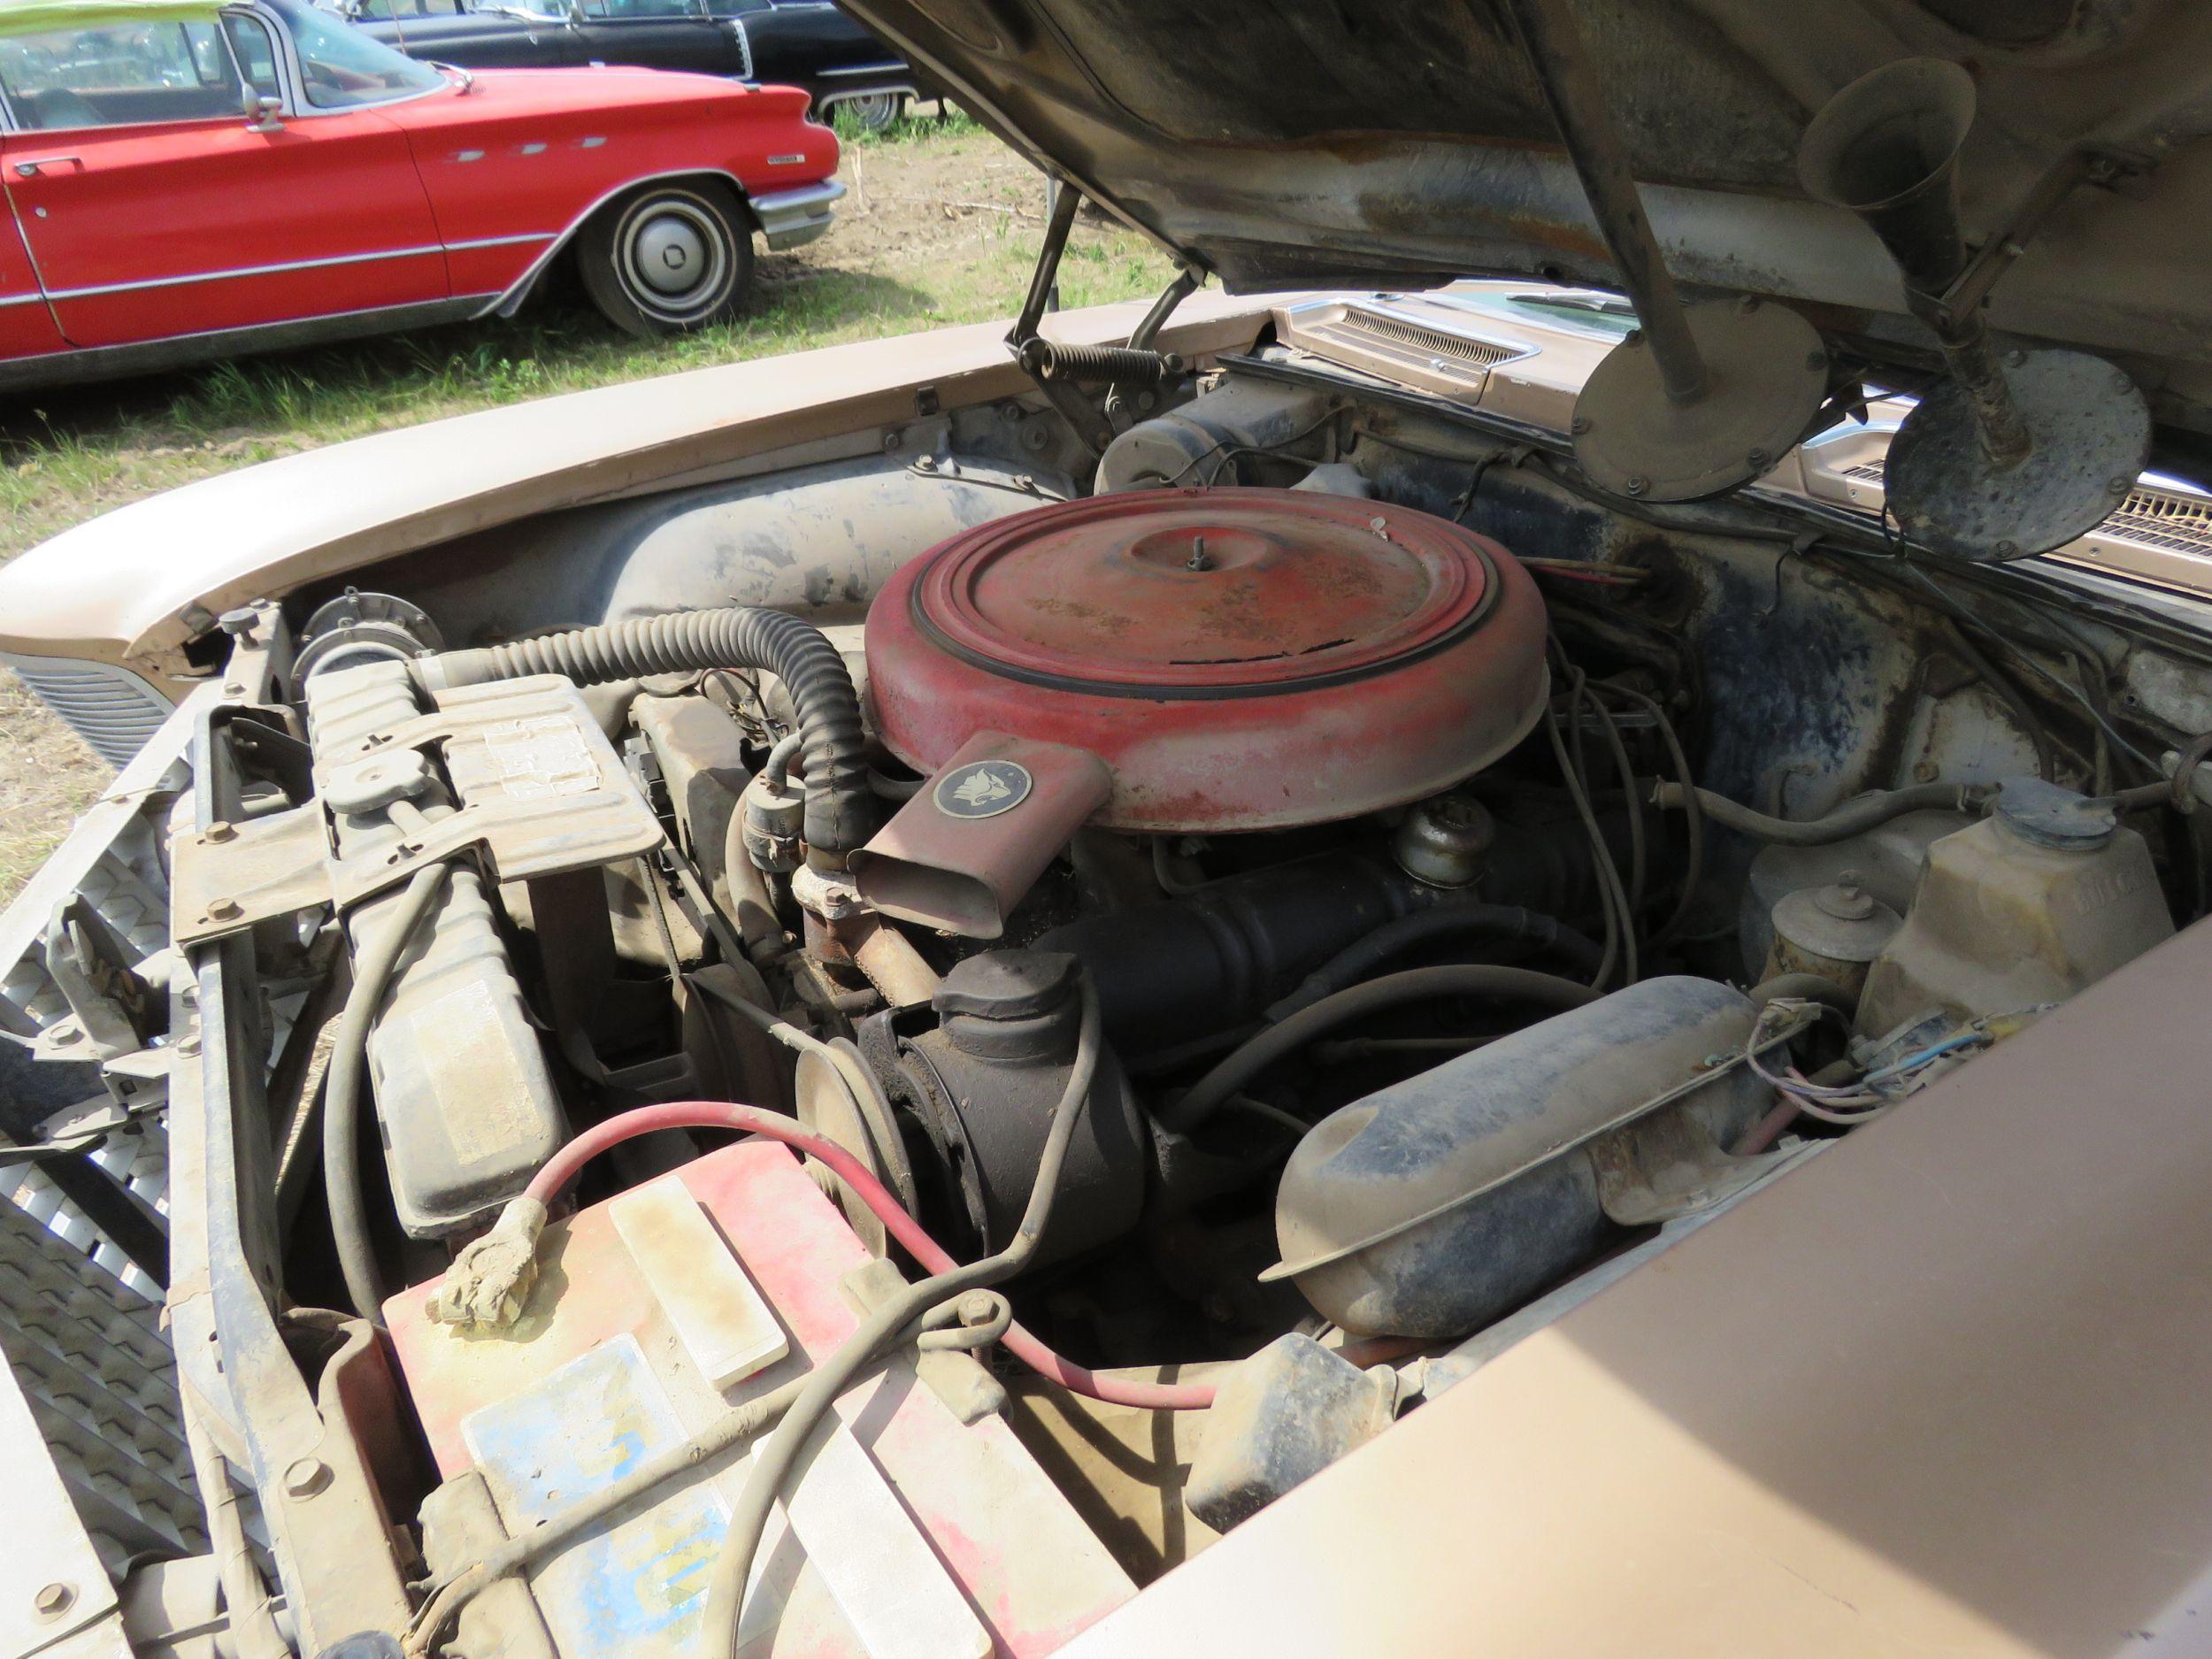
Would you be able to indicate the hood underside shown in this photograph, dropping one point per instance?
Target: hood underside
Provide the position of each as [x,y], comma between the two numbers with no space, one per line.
[1282,144]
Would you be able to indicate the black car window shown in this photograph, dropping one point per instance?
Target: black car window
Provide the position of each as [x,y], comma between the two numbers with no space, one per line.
[623,11]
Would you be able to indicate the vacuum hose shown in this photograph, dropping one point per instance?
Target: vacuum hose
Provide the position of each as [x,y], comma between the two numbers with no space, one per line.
[839,807]
[1853,817]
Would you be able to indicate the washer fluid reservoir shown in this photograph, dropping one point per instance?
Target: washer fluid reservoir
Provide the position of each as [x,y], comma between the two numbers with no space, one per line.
[2041,899]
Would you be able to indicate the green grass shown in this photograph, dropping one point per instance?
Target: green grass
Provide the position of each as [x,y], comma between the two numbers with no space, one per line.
[954,122]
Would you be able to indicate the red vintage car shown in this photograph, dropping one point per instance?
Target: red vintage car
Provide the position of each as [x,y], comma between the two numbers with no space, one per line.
[188,180]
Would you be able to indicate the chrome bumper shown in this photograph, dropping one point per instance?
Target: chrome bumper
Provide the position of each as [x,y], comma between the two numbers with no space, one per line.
[790,218]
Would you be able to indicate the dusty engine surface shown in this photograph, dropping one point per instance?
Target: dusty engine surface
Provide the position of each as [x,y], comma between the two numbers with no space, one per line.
[1192,974]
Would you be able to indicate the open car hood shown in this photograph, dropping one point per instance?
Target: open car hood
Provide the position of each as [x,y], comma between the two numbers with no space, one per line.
[1400,142]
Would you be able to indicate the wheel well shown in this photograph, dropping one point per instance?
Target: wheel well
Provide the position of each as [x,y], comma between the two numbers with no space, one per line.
[733,194]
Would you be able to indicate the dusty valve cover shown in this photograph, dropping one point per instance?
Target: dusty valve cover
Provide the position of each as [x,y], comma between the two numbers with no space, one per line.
[1238,660]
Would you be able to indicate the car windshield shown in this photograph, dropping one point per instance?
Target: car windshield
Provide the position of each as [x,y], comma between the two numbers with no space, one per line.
[342,68]
[1590,310]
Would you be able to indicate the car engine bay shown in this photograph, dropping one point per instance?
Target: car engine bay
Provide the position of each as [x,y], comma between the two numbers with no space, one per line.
[929,1031]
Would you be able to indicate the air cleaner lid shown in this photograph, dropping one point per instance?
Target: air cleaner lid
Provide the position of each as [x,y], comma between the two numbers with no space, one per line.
[1238,659]
[1201,592]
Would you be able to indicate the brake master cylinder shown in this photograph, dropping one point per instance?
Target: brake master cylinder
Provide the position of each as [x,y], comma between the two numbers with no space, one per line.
[2045,896]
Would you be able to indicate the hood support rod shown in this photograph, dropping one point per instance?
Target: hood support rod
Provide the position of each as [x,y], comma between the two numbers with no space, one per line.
[1033,352]
[1562,66]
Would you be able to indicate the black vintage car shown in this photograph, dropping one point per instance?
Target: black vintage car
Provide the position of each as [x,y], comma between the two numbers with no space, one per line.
[808,44]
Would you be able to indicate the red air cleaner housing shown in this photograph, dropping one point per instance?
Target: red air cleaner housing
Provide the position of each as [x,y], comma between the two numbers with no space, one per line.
[1239,660]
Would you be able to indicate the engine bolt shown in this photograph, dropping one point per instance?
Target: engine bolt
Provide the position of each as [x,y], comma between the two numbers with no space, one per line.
[63,1035]
[2006,549]
[224,910]
[234,688]
[1756,458]
[1747,304]
[221,830]
[53,1599]
[1199,560]
[1581,425]
[189,1046]
[977,1307]
[1638,484]
[305,1476]
[2119,485]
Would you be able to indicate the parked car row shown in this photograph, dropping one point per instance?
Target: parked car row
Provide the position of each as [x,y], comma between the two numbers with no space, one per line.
[192,180]
[810,44]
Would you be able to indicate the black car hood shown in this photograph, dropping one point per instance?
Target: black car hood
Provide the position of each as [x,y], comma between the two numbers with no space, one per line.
[1304,143]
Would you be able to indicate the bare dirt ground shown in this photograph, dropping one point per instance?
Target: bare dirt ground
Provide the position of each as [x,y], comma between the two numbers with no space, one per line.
[939,227]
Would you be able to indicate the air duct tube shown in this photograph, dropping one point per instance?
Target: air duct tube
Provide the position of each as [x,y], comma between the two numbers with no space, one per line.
[1435,1206]
[839,809]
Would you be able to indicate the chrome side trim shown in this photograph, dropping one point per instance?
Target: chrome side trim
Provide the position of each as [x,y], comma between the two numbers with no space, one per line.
[99,363]
[867,69]
[789,218]
[502,242]
[246,271]
[7,300]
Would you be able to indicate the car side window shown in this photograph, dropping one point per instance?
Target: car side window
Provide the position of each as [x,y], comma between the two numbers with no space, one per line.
[343,67]
[256,53]
[624,10]
[119,74]
[738,8]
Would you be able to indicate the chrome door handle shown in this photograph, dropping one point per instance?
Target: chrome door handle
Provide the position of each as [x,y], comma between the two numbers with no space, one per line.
[31,169]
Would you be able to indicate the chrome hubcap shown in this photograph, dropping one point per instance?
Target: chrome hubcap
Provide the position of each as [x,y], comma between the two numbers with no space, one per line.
[671,255]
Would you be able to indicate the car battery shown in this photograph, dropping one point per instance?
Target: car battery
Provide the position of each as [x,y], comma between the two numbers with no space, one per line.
[918,1527]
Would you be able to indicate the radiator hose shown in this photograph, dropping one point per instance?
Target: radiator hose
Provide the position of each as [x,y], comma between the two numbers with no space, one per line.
[839,807]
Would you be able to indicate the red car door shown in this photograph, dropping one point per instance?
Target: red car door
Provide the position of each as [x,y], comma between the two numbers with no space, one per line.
[155,205]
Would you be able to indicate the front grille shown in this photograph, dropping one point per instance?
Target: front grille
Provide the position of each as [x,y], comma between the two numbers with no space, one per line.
[111,709]
[98,1376]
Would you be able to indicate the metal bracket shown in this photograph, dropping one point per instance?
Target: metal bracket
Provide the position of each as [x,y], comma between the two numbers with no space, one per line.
[91,966]
[2105,165]
[540,790]
[230,876]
